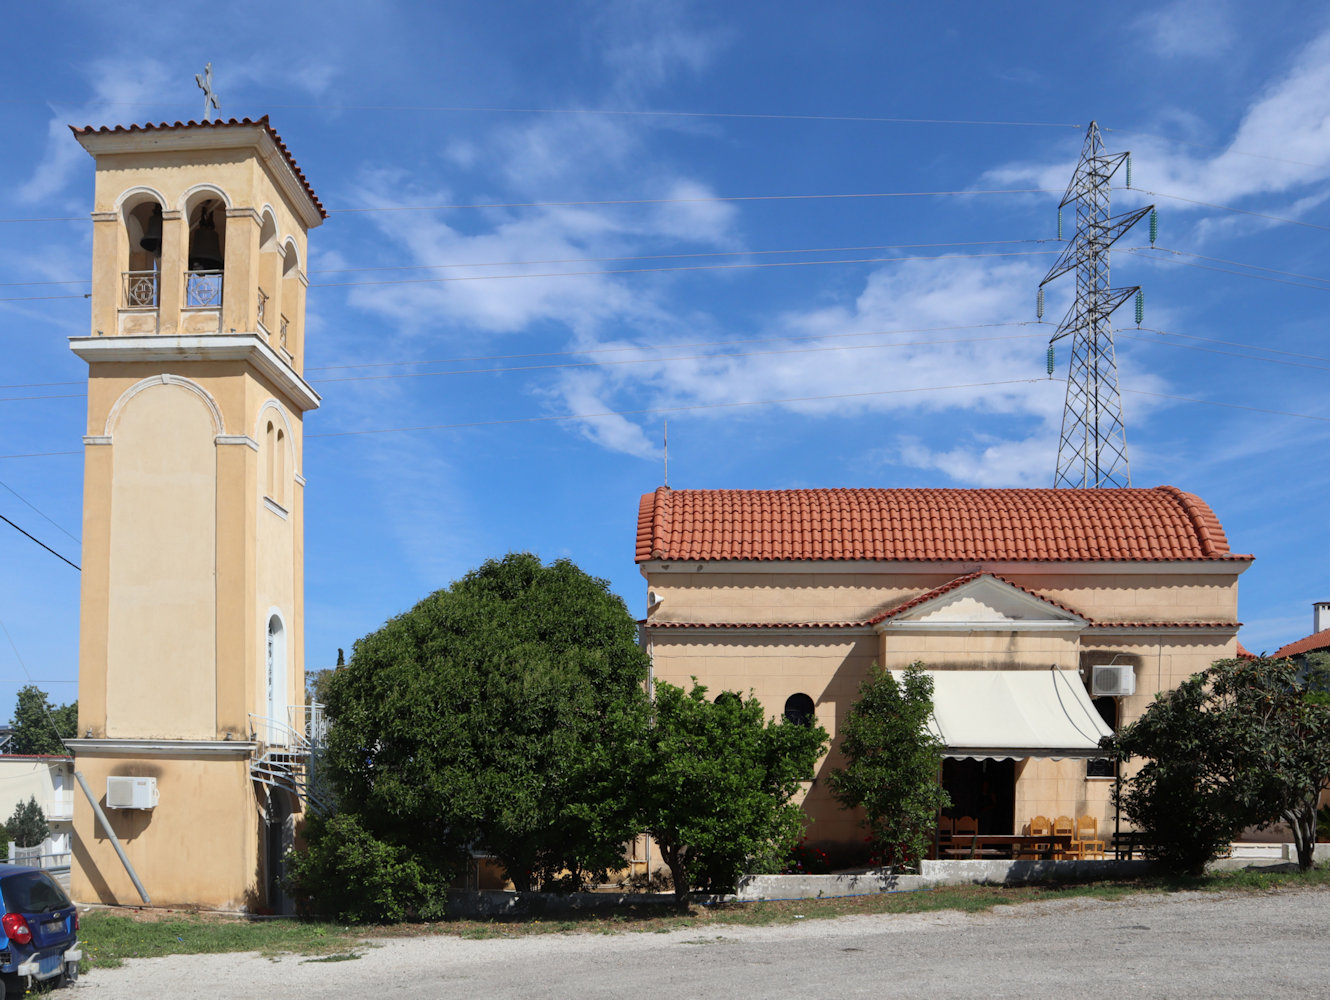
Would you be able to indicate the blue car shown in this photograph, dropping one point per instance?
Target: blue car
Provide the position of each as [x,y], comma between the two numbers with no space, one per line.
[38,931]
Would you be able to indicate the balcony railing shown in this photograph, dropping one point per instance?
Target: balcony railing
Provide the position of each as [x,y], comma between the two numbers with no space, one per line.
[140,289]
[203,289]
[282,338]
[263,309]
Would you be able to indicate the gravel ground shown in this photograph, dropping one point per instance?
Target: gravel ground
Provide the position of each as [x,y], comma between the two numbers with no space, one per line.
[1204,945]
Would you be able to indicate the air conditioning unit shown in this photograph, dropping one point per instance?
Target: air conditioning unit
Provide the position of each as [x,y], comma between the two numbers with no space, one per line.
[1114,679]
[131,793]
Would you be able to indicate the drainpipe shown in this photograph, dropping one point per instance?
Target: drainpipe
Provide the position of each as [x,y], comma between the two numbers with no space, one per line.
[115,841]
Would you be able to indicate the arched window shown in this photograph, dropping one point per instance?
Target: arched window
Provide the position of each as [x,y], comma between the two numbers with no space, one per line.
[799,709]
[270,459]
[276,678]
[207,253]
[143,233]
[279,469]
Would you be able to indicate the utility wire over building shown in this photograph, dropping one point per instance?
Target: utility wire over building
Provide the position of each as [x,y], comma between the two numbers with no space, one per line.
[1092,448]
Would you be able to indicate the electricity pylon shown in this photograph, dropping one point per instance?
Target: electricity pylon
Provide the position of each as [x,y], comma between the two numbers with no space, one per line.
[1092,450]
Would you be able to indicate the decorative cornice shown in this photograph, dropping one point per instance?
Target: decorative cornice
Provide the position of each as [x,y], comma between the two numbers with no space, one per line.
[275,507]
[237,439]
[96,438]
[105,217]
[244,212]
[300,479]
[161,748]
[247,347]
[994,625]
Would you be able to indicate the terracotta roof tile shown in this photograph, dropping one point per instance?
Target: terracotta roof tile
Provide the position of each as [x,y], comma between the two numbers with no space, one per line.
[1244,653]
[228,123]
[1165,624]
[1309,644]
[1010,525]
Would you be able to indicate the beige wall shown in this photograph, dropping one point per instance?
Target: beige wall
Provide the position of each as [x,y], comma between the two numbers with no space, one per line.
[162,587]
[198,847]
[830,665]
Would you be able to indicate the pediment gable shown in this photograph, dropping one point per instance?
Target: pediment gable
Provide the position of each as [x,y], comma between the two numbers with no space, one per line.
[982,600]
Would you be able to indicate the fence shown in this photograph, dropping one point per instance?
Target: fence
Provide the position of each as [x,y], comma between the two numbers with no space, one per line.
[38,857]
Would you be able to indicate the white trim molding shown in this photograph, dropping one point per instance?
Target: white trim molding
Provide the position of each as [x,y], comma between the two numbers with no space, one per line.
[165,348]
[161,748]
[275,507]
[153,380]
[237,439]
[96,438]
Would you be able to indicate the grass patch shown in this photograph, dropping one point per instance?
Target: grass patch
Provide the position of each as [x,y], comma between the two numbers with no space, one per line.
[111,937]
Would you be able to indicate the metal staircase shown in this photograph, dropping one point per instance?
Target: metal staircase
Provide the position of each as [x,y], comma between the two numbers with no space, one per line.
[287,754]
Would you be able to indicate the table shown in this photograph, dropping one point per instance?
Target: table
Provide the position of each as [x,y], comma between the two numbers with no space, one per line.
[1006,845]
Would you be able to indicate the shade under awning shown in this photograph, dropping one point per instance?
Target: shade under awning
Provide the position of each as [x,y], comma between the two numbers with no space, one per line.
[1014,713]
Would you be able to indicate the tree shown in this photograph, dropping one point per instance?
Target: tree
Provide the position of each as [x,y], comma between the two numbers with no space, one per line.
[715,782]
[1243,743]
[497,714]
[40,726]
[27,826]
[893,764]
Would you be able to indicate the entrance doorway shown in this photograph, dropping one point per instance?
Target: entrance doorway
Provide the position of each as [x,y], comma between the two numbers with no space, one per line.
[984,789]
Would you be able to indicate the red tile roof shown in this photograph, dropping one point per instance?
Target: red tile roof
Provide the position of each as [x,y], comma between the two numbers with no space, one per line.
[1244,653]
[1309,644]
[1017,525]
[229,123]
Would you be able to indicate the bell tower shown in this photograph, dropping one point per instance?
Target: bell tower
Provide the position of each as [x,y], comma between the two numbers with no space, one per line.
[191,666]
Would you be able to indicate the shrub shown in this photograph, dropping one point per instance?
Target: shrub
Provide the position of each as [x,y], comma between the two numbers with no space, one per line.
[346,874]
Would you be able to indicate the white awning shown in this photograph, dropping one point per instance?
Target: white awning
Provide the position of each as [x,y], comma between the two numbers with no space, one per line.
[1014,713]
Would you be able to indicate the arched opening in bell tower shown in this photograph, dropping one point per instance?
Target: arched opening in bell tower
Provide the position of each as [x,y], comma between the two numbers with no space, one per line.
[141,218]
[205,261]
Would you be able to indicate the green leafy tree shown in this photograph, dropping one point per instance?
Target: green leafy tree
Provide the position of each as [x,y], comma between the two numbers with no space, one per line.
[715,784]
[892,764]
[27,826]
[496,714]
[40,726]
[1243,743]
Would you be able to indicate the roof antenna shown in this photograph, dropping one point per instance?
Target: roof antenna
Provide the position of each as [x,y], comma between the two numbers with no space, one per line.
[210,98]
[667,453]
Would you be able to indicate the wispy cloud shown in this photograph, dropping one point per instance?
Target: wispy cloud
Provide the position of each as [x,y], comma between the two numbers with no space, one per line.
[1188,28]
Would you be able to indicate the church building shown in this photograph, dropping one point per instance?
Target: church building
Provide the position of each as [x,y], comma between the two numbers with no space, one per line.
[193,735]
[1046,618]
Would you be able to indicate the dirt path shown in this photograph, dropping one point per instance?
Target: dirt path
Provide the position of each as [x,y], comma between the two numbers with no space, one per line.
[1184,945]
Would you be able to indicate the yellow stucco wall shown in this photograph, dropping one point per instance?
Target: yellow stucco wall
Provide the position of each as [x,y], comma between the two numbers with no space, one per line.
[829,665]
[198,847]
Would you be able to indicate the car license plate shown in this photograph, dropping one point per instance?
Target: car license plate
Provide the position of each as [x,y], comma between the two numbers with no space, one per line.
[53,926]
[49,965]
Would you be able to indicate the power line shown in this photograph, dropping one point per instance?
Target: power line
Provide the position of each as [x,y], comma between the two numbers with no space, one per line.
[587,203]
[37,540]
[598,260]
[1230,208]
[27,673]
[754,265]
[1222,149]
[670,409]
[1143,252]
[1230,406]
[714,356]
[35,508]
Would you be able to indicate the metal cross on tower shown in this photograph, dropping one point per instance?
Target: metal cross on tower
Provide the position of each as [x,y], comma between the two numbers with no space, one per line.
[210,98]
[1092,450]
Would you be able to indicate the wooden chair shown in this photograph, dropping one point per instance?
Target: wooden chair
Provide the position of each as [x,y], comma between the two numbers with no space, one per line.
[1087,843]
[1039,826]
[966,826]
[1063,827]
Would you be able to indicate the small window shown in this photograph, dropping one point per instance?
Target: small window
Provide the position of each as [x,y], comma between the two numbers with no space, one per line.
[1102,767]
[799,709]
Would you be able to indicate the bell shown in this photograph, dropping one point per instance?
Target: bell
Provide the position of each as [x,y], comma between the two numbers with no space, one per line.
[152,236]
[205,248]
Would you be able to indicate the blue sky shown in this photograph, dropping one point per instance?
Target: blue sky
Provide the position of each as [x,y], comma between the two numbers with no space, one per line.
[884,360]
